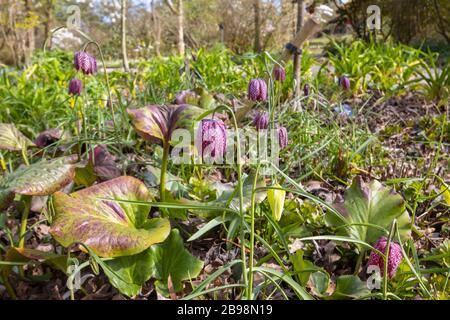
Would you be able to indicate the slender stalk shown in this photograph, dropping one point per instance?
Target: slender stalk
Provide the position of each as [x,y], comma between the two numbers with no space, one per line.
[386,260]
[252,235]
[241,198]
[24,219]
[108,86]
[162,183]
[25,156]
[359,261]
[8,286]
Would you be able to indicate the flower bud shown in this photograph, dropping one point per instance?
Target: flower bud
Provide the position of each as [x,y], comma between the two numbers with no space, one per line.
[279,74]
[261,121]
[344,82]
[75,86]
[306,90]
[283,137]
[257,90]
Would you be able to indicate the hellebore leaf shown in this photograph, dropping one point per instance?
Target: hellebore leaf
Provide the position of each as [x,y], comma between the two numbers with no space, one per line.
[349,287]
[84,174]
[48,137]
[104,163]
[135,270]
[39,179]
[110,228]
[54,260]
[170,258]
[12,139]
[247,190]
[156,123]
[373,205]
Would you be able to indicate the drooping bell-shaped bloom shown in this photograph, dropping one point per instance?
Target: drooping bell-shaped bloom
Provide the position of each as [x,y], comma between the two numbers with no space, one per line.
[85,62]
[344,82]
[257,90]
[261,121]
[75,86]
[279,74]
[306,90]
[211,138]
[186,96]
[395,256]
[283,137]
[276,199]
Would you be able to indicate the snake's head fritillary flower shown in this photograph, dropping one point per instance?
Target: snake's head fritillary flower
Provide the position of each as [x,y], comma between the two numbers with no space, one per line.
[283,137]
[212,138]
[261,121]
[306,90]
[279,74]
[257,90]
[85,62]
[276,198]
[395,256]
[75,86]
[186,96]
[344,82]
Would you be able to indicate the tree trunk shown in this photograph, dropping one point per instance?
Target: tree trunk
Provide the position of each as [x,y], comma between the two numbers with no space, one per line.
[179,12]
[29,44]
[48,23]
[180,19]
[126,66]
[257,10]
[298,56]
[157,30]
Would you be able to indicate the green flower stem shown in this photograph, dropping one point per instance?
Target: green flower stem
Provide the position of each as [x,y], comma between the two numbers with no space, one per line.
[8,286]
[252,235]
[241,193]
[162,182]
[241,199]
[386,260]
[23,222]
[359,261]
[25,156]
[108,86]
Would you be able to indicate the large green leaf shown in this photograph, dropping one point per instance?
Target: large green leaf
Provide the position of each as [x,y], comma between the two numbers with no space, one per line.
[39,179]
[130,272]
[12,139]
[57,261]
[349,287]
[247,192]
[110,228]
[172,259]
[367,209]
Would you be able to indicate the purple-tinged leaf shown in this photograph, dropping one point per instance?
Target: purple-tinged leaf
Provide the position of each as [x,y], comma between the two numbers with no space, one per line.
[156,123]
[104,163]
[110,228]
[12,139]
[39,179]
[48,137]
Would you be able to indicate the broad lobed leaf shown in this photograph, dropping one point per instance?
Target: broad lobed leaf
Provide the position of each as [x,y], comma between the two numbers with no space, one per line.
[110,228]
